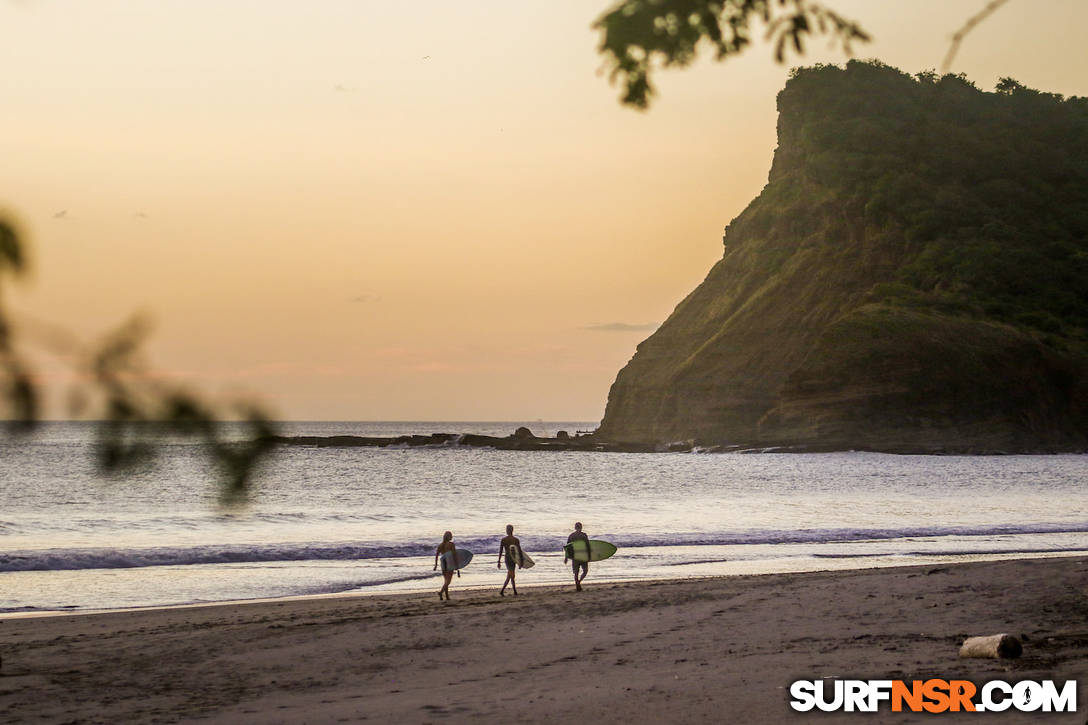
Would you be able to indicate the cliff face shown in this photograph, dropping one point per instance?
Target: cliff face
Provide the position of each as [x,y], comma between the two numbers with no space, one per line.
[914,276]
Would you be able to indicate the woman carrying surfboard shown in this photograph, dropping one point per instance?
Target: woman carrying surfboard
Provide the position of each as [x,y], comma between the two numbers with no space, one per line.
[447,545]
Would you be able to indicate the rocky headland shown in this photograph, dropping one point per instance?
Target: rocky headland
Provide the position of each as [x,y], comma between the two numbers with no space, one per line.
[912,278]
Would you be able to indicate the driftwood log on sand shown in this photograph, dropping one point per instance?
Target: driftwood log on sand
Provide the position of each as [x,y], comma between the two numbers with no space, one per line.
[994,646]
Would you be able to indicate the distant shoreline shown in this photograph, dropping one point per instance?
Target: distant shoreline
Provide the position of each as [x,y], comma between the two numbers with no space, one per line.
[590,443]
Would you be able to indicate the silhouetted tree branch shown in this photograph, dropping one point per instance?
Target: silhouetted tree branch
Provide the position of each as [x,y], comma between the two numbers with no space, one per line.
[15,379]
[639,35]
[116,386]
[968,26]
[636,35]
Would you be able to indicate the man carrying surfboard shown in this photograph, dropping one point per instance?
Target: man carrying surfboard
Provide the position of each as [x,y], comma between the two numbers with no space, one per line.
[510,548]
[578,535]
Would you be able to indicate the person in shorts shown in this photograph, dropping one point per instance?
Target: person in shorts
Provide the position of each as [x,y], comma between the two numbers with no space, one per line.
[510,549]
[583,566]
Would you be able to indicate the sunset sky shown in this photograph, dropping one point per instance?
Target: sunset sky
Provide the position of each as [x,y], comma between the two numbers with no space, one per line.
[359,210]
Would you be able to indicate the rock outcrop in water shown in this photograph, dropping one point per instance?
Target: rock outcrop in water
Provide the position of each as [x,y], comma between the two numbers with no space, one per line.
[521,440]
[913,277]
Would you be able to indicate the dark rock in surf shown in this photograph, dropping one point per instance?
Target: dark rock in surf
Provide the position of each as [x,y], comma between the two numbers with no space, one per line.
[587,443]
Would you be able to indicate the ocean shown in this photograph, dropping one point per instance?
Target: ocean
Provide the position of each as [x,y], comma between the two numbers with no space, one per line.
[339,520]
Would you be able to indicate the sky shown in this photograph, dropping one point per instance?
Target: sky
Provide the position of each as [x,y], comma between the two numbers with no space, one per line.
[362,210]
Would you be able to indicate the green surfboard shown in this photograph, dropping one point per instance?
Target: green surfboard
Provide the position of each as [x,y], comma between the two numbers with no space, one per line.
[598,550]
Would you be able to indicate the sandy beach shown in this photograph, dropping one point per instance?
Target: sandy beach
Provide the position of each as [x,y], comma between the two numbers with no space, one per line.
[687,651]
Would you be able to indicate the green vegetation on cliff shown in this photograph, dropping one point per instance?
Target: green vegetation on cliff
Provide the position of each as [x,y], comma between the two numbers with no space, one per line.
[989,189]
[914,276]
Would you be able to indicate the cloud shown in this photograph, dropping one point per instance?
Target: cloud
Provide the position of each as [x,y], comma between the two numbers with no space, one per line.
[432,367]
[622,327]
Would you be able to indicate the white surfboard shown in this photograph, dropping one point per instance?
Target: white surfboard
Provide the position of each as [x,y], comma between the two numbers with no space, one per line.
[464,556]
[526,560]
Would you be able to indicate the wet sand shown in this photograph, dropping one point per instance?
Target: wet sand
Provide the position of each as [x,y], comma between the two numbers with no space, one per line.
[716,650]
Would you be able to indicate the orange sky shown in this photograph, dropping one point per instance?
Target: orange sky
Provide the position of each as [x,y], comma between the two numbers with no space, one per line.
[357,210]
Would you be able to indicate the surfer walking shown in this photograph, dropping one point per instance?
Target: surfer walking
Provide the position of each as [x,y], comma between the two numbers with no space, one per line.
[448,563]
[510,550]
[578,535]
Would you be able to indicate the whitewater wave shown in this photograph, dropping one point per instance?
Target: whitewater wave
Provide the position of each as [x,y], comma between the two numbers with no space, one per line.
[185,522]
[975,551]
[102,558]
[843,535]
[67,559]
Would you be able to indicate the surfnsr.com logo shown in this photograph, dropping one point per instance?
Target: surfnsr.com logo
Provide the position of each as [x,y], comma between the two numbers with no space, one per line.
[933,696]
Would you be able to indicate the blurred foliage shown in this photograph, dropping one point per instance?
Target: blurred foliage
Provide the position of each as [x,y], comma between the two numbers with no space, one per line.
[972,22]
[137,410]
[986,193]
[15,380]
[638,35]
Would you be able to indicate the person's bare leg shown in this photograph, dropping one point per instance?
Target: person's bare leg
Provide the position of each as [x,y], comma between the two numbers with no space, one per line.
[509,576]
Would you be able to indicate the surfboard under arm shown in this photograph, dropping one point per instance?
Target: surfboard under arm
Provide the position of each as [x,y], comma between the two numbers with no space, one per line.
[597,550]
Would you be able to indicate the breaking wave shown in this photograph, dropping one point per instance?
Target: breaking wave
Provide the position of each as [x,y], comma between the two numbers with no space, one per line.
[62,559]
